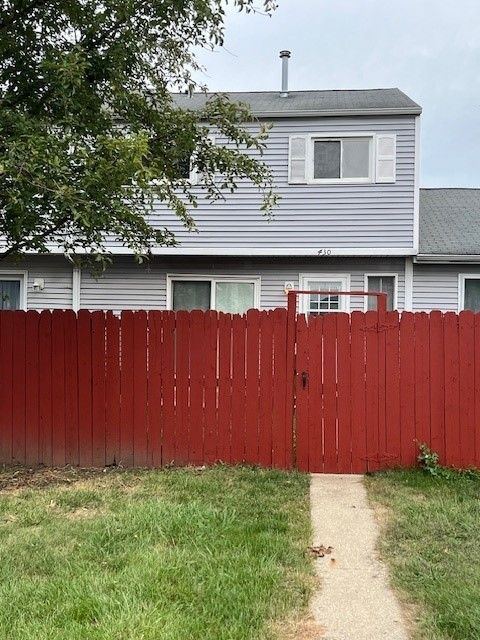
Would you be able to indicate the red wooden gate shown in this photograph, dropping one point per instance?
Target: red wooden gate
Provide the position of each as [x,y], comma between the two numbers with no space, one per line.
[369,387]
[340,393]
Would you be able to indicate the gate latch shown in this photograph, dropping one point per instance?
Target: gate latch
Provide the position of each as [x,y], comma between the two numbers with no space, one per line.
[304,379]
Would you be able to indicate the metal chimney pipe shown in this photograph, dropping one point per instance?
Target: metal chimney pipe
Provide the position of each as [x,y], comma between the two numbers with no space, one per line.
[284,55]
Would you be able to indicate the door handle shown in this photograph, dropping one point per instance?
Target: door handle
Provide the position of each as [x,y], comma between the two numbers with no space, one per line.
[304,379]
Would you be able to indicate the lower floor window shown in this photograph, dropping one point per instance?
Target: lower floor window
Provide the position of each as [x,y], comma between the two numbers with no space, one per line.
[381,284]
[220,294]
[471,293]
[10,293]
[316,303]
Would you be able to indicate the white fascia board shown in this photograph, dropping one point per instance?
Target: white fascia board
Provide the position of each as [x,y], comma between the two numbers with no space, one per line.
[275,251]
[323,252]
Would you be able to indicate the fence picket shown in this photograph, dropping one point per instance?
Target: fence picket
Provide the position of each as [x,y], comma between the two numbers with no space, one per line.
[140,424]
[197,378]
[407,389]
[238,388]
[265,419]
[372,389]
[467,387]
[112,389]
[282,430]
[126,388]
[252,386]
[45,388]
[32,380]
[58,389]
[452,391]
[358,398]
[344,393]
[393,425]
[302,393]
[154,389]
[315,397]
[210,371]
[19,389]
[437,385]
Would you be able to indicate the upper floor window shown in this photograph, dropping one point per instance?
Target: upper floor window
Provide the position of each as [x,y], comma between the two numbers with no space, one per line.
[342,158]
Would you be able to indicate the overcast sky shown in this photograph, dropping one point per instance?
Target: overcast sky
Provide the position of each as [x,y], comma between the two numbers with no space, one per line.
[428,48]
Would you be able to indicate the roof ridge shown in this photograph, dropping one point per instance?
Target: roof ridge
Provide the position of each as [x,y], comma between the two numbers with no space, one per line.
[180,93]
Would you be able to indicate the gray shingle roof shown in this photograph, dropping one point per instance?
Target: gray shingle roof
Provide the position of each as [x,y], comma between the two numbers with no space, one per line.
[450,221]
[341,102]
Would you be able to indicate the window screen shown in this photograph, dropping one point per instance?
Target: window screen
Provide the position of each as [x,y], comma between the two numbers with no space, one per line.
[191,294]
[9,294]
[381,284]
[472,294]
[326,159]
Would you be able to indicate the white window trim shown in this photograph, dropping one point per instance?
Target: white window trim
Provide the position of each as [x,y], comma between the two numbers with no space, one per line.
[255,280]
[22,277]
[461,287]
[304,278]
[338,136]
[387,274]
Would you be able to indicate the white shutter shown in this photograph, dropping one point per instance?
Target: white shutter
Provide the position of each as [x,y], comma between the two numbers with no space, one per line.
[386,155]
[297,160]
[193,173]
[195,176]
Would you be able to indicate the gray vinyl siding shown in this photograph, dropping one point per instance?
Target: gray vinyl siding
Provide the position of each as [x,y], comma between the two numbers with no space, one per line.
[126,285]
[311,217]
[57,274]
[436,286]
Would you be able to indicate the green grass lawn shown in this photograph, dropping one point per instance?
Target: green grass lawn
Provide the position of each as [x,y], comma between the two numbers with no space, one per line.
[141,555]
[431,540]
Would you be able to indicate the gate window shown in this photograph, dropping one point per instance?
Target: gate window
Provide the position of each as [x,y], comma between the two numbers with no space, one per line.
[317,303]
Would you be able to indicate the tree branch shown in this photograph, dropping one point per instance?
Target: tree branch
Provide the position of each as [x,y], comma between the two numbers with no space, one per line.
[22,244]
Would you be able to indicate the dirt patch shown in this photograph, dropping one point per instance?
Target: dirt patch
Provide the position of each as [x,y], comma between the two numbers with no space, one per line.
[16,478]
[303,629]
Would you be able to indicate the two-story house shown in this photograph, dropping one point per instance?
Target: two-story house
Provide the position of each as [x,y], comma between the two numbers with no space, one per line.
[351,216]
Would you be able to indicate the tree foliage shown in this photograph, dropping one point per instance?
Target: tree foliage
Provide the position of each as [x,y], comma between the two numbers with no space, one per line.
[89,133]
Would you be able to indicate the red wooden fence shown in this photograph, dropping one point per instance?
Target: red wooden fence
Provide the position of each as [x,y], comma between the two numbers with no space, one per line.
[334,393]
[143,389]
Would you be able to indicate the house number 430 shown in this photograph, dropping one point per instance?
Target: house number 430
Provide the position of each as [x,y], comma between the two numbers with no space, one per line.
[324,252]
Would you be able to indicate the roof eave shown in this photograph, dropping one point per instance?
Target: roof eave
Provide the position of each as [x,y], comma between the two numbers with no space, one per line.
[401,111]
[446,257]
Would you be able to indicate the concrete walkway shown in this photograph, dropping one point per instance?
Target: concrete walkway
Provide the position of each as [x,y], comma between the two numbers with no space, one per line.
[354,601]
